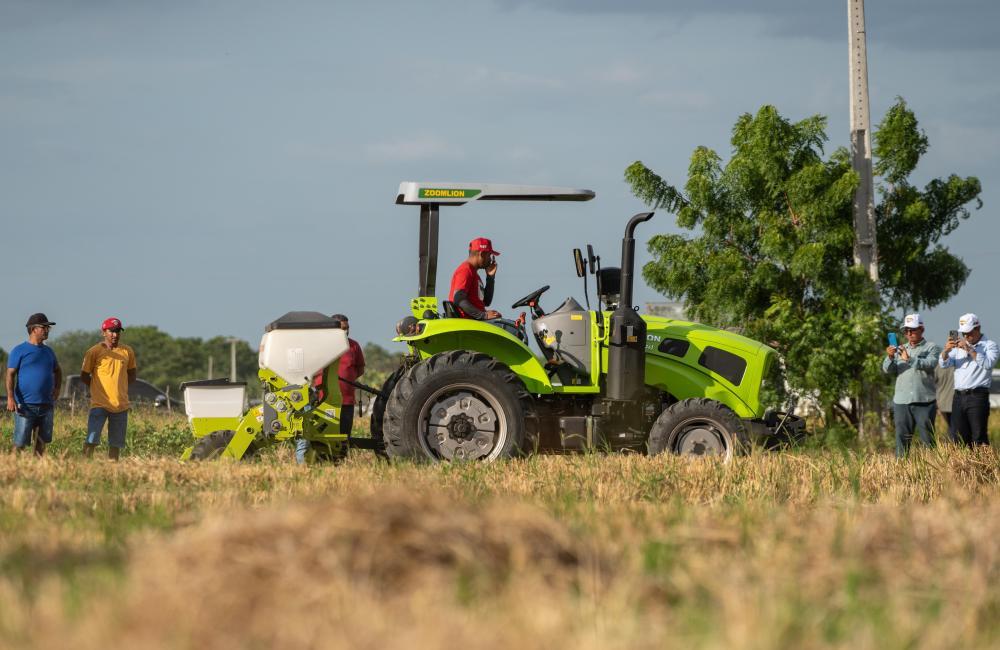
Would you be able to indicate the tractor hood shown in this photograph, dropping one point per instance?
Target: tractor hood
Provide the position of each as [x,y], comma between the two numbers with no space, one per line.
[691,359]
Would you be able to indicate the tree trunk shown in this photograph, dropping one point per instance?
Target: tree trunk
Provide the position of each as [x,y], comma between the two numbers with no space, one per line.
[871,414]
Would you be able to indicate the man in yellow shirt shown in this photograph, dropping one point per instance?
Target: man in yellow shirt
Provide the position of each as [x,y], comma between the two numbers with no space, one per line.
[108,369]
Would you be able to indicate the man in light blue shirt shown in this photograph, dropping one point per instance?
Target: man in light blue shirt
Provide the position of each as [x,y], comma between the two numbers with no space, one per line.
[973,357]
[913,401]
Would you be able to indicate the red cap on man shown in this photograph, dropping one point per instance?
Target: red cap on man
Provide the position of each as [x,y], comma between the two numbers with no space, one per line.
[112,324]
[481,244]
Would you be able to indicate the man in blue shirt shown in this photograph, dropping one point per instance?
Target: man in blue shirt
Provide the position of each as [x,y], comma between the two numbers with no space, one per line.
[33,381]
[973,357]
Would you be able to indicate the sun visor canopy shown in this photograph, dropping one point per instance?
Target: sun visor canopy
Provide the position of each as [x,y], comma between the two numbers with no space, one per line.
[430,196]
[448,193]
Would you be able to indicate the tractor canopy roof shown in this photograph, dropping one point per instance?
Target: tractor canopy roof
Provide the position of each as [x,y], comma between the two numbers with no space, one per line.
[451,193]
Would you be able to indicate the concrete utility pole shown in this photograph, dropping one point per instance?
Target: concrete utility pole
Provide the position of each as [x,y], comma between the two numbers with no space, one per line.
[232,358]
[865,246]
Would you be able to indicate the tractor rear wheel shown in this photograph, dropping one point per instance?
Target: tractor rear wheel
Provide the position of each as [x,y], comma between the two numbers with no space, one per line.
[457,406]
[378,410]
[210,447]
[698,427]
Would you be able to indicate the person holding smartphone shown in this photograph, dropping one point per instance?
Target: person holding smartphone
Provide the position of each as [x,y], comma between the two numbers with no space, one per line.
[469,294]
[973,357]
[913,402]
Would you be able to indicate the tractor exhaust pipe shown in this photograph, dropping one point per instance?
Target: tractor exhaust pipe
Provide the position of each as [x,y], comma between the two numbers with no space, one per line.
[628,256]
[627,355]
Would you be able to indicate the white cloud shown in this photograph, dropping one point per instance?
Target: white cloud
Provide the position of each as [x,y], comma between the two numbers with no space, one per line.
[414,148]
[620,74]
[514,80]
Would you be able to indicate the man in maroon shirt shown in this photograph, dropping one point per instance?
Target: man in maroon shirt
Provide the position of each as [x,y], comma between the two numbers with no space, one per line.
[352,366]
[470,296]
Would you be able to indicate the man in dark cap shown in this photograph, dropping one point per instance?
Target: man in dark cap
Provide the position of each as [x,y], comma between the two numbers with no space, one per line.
[33,382]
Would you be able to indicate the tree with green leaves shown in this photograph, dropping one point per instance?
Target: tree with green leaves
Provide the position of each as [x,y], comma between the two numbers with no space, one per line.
[379,364]
[771,252]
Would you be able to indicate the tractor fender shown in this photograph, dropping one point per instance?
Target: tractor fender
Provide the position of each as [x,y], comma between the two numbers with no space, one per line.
[684,382]
[445,334]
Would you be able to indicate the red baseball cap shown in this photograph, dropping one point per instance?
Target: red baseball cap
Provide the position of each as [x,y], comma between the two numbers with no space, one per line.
[481,244]
[112,324]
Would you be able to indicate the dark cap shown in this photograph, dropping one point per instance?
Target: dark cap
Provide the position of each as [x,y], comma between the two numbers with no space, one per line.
[38,319]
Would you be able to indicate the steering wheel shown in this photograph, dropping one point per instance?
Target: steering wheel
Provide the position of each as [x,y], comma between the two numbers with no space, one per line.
[530,300]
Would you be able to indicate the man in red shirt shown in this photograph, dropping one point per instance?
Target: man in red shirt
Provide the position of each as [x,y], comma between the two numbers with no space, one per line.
[352,366]
[470,296]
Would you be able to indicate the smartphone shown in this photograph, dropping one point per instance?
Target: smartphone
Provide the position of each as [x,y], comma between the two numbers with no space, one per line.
[953,335]
[892,339]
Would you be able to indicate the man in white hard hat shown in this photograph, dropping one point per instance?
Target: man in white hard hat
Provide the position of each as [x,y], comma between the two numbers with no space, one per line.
[973,357]
[913,402]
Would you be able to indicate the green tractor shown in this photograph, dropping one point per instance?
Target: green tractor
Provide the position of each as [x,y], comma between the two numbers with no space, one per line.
[605,379]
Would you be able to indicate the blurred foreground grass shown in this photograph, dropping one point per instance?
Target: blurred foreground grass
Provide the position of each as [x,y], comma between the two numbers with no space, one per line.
[835,548]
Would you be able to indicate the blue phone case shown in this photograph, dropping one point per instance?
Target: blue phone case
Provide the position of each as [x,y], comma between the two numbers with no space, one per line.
[892,339]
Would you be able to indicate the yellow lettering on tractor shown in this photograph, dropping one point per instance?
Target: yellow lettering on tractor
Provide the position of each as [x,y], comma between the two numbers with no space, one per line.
[438,193]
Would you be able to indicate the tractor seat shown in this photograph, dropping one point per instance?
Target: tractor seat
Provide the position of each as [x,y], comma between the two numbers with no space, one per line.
[450,311]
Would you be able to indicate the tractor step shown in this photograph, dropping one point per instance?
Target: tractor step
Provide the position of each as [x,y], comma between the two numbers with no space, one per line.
[367,443]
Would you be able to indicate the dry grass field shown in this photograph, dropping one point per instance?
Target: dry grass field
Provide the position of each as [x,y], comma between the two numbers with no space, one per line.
[797,549]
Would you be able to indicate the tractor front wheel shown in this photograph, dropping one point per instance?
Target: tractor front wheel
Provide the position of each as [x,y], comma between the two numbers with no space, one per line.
[457,406]
[698,427]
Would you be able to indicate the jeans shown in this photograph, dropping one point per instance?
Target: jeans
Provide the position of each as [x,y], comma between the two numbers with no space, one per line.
[971,411]
[117,424]
[30,418]
[917,416]
[302,445]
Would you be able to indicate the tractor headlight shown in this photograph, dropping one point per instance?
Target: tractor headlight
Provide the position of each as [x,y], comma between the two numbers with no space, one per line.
[409,326]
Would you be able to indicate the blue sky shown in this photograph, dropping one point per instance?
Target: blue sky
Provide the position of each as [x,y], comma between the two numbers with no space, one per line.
[208,166]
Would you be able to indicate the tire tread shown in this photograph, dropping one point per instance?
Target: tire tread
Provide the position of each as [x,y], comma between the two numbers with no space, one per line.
[402,443]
